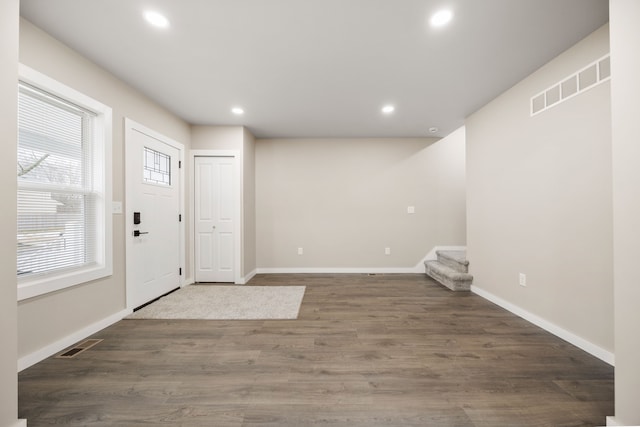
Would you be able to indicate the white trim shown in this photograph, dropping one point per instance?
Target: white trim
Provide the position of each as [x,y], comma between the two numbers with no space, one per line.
[418,268]
[248,277]
[338,270]
[556,330]
[237,155]
[36,78]
[20,423]
[612,422]
[39,355]
[129,127]
[30,287]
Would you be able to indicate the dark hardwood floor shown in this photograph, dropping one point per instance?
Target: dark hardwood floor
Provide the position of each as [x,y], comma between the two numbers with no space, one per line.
[384,350]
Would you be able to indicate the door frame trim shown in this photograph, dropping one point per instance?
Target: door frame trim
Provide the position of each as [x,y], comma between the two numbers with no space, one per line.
[133,126]
[237,256]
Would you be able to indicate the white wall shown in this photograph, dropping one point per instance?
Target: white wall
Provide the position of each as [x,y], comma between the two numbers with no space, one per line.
[8,136]
[345,200]
[625,105]
[45,320]
[539,200]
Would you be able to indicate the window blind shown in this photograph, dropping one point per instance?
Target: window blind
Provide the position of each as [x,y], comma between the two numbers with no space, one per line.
[57,212]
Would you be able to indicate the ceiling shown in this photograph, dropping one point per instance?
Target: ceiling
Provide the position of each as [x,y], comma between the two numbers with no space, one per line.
[321,68]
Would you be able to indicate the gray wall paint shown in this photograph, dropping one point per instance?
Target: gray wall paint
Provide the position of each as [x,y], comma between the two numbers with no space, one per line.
[539,199]
[8,136]
[625,105]
[344,200]
[49,318]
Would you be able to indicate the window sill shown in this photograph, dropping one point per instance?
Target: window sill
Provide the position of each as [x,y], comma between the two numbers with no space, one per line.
[37,286]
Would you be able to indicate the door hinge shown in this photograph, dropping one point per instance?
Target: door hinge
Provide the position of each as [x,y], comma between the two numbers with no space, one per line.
[179,164]
[180,271]
[179,217]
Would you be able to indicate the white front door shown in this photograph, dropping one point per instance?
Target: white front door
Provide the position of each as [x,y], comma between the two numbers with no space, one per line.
[215,219]
[152,217]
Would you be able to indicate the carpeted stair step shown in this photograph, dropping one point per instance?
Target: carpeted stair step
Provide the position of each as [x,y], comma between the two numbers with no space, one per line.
[449,277]
[455,259]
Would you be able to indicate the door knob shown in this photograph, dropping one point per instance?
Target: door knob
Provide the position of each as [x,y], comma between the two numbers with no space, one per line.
[137,233]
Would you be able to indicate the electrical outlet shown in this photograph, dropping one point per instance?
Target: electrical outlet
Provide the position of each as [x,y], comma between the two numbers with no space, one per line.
[387,251]
[300,251]
[523,279]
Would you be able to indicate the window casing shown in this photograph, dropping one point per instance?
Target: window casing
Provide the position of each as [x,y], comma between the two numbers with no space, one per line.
[64,186]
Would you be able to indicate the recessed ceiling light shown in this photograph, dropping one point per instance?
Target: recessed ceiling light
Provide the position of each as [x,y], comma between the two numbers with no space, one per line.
[433,129]
[237,111]
[441,18]
[156,19]
[388,109]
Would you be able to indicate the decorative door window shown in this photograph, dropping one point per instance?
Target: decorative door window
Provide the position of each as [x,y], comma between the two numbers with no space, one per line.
[157,167]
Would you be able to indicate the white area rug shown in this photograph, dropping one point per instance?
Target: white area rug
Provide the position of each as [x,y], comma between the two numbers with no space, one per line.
[217,302]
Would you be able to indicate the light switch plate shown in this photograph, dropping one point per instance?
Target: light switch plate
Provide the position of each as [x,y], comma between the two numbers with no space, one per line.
[411,209]
[116,207]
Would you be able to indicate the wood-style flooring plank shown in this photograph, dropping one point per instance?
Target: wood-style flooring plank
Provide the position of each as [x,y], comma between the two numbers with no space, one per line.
[381,350]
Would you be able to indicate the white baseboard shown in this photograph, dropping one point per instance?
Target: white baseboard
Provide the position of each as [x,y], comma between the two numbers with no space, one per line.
[337,270]
[188,281]
[612,422]
[556,330]
[39,355]
[20,423]
[248,277]
[417,269]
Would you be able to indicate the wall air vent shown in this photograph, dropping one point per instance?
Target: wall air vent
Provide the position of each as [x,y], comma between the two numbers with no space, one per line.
[77,349]
[584,79]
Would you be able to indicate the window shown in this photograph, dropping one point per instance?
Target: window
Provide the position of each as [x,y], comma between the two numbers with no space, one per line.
[64,186]
[157,167]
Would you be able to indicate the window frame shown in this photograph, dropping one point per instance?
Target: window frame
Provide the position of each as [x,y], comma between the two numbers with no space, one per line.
[44,283]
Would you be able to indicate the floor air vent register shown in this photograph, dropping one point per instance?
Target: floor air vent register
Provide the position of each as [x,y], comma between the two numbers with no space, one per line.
[77,349]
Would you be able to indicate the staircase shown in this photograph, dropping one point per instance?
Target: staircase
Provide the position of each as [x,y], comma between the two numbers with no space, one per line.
[451,269]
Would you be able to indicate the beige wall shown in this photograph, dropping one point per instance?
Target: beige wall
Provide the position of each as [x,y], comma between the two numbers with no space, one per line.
[217,138]
[539,200]
[8,136]
[47,319]
[249,203]
[239,139]
[625,105]
[345,200]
